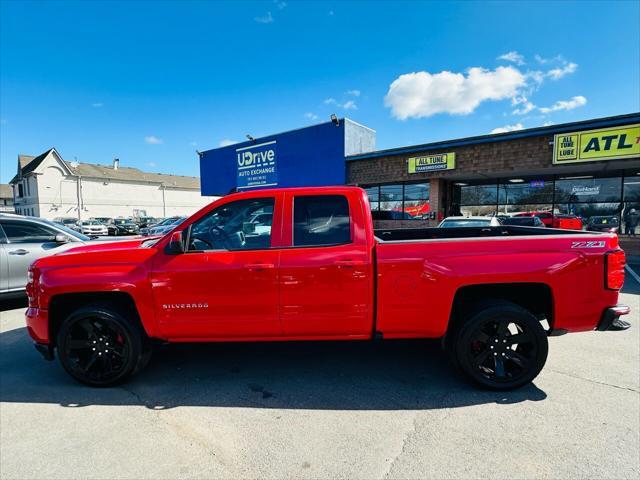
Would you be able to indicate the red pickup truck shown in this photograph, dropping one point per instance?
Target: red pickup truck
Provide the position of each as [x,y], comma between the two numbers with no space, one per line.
[306,264]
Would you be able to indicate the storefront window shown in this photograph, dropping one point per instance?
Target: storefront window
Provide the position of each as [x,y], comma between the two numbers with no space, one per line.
[573,190]
[631,208]
[479,195]
[416,200]
[374,196]
[532,192]
[391,201]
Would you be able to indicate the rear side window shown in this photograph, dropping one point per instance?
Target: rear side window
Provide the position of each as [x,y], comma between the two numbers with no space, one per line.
[27,232]
[321,220]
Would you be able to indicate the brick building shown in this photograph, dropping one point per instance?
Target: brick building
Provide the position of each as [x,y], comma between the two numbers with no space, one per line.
[589,169]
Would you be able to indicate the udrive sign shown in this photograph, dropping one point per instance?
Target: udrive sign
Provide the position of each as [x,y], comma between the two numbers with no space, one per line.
[595,145]
[257,165]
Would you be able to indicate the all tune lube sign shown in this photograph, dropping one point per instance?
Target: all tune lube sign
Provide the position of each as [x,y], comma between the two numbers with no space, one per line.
[257,165]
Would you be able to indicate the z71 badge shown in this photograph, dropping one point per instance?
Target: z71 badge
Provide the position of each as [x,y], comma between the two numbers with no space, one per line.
[591,244]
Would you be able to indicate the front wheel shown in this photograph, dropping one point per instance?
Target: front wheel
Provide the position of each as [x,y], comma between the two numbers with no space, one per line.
[100,347]
[501,347]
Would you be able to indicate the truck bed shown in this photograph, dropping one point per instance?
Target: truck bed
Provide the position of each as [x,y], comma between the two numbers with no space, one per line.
[434,233]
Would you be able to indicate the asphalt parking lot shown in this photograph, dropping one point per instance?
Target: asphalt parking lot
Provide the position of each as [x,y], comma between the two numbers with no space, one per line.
[324,410]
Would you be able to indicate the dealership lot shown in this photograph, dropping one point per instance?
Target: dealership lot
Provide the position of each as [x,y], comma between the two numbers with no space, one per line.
[324,411]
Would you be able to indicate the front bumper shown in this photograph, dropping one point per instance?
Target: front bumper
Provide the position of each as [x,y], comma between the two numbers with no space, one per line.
[611,314]
[37,320]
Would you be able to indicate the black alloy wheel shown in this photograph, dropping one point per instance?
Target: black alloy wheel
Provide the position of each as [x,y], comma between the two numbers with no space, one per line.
[501,347]
[99,347]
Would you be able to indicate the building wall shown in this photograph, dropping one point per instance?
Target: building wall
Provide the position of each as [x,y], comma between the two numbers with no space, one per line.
[52,193]
[512,155]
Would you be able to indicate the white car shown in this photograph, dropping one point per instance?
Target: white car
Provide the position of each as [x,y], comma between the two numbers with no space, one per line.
[93,228]
[461,222]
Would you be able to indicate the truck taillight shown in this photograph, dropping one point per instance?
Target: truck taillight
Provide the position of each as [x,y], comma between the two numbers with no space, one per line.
[614,269]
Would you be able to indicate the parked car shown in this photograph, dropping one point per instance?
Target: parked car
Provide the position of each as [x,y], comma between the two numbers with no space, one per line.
[609,223]
[458,222]
[93,228]
[562,221]
[24,240]
[322,273]
[567,222]
[145,222]
[523,221]
[103,220]
[69,222]
[123,226]
[165,226]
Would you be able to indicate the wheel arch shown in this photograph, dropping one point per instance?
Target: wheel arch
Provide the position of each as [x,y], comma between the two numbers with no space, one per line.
[536,298]
[62,305]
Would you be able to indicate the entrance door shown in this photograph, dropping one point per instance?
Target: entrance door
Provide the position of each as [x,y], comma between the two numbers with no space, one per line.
[225,284]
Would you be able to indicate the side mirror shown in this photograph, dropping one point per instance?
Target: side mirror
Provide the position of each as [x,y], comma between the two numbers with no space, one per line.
[61,238]
[175,245]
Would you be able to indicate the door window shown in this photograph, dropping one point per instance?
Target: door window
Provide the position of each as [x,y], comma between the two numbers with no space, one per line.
[26,232]
[240,225]
[321,220]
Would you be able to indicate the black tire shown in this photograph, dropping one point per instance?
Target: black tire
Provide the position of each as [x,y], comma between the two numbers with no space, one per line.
[99,346]
[500,346]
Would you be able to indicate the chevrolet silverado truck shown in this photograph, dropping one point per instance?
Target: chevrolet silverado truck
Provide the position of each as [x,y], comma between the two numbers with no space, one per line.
[306,264]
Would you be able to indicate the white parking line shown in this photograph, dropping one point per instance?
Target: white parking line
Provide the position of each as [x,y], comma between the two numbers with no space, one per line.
[633,274]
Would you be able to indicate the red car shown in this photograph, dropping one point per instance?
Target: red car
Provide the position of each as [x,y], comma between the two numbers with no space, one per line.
[565,222]
[313,268]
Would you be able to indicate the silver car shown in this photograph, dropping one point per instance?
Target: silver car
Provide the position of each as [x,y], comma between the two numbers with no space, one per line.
[25,239]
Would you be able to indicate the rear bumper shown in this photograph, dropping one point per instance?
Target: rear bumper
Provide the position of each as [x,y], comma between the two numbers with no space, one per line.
[610,314]
[37,320]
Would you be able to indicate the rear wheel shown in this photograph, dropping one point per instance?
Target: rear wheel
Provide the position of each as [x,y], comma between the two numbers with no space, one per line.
[100,347]
[501,347]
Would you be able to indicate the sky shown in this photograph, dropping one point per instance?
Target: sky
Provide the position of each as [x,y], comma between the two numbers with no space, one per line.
[151,82]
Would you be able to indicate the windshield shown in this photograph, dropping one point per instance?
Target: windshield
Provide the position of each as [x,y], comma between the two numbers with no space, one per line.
[67,230]
[91,222]
[465,222]
[121,221]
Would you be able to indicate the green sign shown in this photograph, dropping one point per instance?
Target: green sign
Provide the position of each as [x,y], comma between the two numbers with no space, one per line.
[431,163]
[595,145]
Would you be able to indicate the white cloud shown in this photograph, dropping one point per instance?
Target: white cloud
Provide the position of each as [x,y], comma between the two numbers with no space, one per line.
[422,94]
[280,4]
[152,164]
[331,13]
[560,72]
[524,109]
[353,93]
[226,142]
[310,116]
[267,18]
[97,104]
[508,128]
[349,105]
[193,144]
[513,56]
[153,140]
[547,124]
[329,101]
[574,102]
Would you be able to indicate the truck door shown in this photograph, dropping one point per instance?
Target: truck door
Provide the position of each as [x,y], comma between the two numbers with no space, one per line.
[326,281]
[225,284]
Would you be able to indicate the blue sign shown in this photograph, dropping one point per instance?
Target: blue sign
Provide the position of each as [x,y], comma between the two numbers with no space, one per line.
[537,183]
[257,165]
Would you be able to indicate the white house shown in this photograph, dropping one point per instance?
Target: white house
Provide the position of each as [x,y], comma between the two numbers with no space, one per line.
[48,186]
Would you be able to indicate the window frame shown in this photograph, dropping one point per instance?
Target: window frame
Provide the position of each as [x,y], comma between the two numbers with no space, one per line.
[51,230]
[293,223]
[186,233]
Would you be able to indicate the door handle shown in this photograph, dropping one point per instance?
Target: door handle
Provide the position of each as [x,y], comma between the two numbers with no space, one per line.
[256,267]
[348,263]
[20,251]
